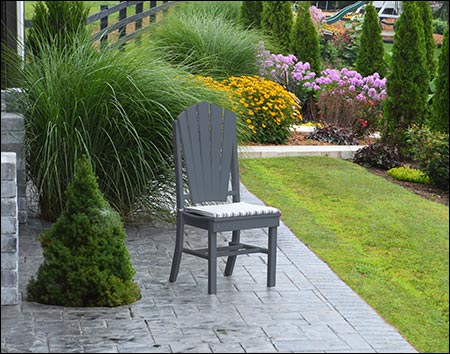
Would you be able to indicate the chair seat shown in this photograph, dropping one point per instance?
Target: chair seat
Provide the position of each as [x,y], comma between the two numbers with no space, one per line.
[229,210]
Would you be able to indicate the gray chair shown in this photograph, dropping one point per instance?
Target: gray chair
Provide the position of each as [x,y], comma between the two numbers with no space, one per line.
[205,149]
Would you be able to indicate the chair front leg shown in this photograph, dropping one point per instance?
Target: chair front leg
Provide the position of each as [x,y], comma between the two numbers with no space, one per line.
[232,259]
[212,262]
[272,257]
[178,248]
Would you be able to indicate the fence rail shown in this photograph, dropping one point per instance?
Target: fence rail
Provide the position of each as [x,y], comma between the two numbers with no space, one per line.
[124,20]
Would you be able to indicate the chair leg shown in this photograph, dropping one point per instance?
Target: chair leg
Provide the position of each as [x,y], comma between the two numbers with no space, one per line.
[272,257]
[232,259]
[212,262]
[178,249]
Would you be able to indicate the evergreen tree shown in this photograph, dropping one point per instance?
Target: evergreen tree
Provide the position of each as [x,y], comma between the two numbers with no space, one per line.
[276,21]
[430,44]
[250,14]
[86,262]
[407,84]
[305,44]
[440,118]
[370,58]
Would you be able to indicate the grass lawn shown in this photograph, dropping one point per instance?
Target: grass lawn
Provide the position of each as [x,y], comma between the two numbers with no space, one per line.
[388,244]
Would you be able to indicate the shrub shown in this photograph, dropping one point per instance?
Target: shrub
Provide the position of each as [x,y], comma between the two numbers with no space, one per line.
[439,26]
[86,262]
[250,13]
[265,108]
[208,45]
[379,156]
[430,150]
[370,57]
[276,21]
[430,44]
[440,117]
[114,106]
[408,81]
[56,23]
[333,135]
[405,173]
[304,38]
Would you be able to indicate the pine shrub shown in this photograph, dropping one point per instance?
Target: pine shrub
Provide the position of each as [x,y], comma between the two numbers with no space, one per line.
[56,23]
[408,83]
[430,44]
[440,118]
[305,44]
[250,14]
[276,21]
[86,262]
[370,57]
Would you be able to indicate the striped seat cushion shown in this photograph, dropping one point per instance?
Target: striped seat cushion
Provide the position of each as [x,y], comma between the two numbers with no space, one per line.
[232,210]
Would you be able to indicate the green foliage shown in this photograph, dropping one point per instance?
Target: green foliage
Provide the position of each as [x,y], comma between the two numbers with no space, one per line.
[250,14]
[440,116]
[370,57]
[114,106]
[333,135]
[305,44]
[388,244]
[408,82]
[56,23]
[277,21]
[404,173]
[378,155]
[430,150]
[209,45]
[430,44]
[86,262]
[227,10]
[439,26]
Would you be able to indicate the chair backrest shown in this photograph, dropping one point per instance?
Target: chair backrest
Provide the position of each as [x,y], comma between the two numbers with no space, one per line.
[205,144]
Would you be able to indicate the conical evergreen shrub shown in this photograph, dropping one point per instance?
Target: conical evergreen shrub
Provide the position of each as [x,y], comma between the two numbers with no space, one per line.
[276,21]
[86,262]
[250,13]
[407,84]
[440,117]
[370,58]
[430,44]
[305,44]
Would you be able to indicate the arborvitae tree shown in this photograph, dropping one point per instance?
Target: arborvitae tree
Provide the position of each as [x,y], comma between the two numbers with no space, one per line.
[86,262]
[56,23]
[430,44]
[305,44]
[250,14]
[276,21]
[407,84]
[440,117]
[370,58]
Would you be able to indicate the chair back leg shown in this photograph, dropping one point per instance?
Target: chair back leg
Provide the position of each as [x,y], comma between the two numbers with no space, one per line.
[178,248]
[272,257]
[231,260]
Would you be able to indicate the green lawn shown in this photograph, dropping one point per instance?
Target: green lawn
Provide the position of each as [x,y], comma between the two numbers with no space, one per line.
[388,244]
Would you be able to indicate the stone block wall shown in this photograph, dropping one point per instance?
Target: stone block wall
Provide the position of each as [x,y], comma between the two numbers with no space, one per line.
[13,137]
[9,230]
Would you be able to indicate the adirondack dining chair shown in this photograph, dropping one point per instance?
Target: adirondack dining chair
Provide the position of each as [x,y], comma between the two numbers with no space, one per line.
[205,149]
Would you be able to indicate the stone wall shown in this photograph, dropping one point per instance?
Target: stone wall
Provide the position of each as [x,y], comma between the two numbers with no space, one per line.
[9,230]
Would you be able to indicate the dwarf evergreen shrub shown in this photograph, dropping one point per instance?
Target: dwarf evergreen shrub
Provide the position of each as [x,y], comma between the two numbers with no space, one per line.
[250,14]
[408,174]
[276,21]
[56,23]
[370,57]
[439,121]
[86,262]
[305,44]
[408,83]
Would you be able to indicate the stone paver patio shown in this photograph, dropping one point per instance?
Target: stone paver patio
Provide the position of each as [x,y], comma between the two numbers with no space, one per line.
[310,310]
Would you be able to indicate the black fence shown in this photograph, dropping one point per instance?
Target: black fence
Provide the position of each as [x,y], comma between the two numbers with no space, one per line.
[126,16]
